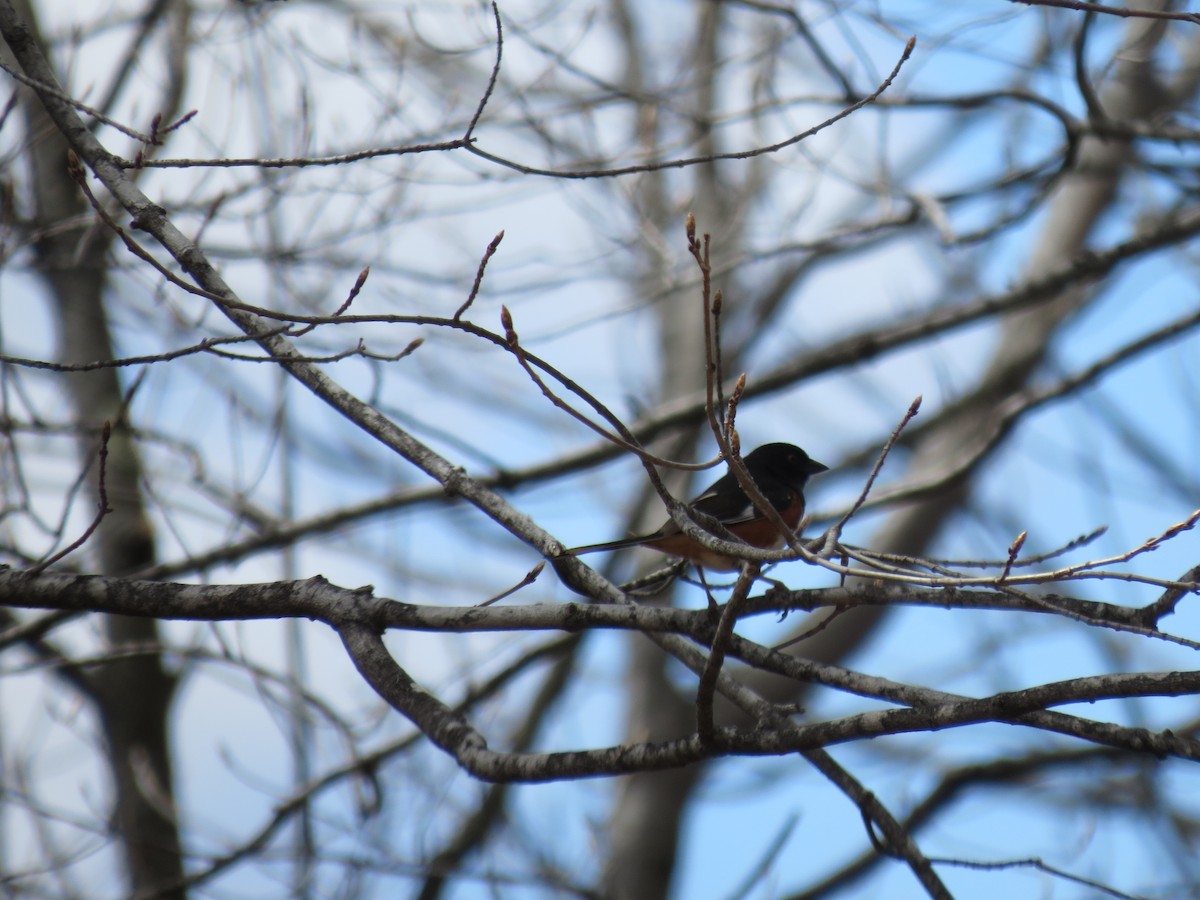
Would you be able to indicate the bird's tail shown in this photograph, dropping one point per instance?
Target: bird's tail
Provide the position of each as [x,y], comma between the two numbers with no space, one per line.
[610,545]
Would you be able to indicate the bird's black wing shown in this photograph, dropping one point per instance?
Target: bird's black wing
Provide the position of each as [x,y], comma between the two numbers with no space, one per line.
[726,502]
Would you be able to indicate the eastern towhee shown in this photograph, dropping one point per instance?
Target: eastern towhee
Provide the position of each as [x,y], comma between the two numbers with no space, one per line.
[780,472]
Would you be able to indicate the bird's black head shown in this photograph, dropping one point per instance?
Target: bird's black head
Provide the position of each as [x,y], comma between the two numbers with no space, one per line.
[786,462]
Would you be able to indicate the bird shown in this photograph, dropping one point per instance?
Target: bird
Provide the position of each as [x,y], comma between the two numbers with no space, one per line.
[779,470]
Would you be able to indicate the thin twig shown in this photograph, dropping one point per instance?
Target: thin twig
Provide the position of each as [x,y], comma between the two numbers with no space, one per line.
[943,565]
[1039,865]
[685,162]
[832,535]
[699,250]
[530,578]
[897,841]
[487,255]
[706,689]
[1014,549]
[82,107]
[1122,11]
[354,292]
[715,311]
[625,439]
[102,507]
[1086,89]
[816,628]
[492,79]
[731,409]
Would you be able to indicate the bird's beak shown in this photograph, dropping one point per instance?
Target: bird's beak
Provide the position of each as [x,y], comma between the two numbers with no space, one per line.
[816,468]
